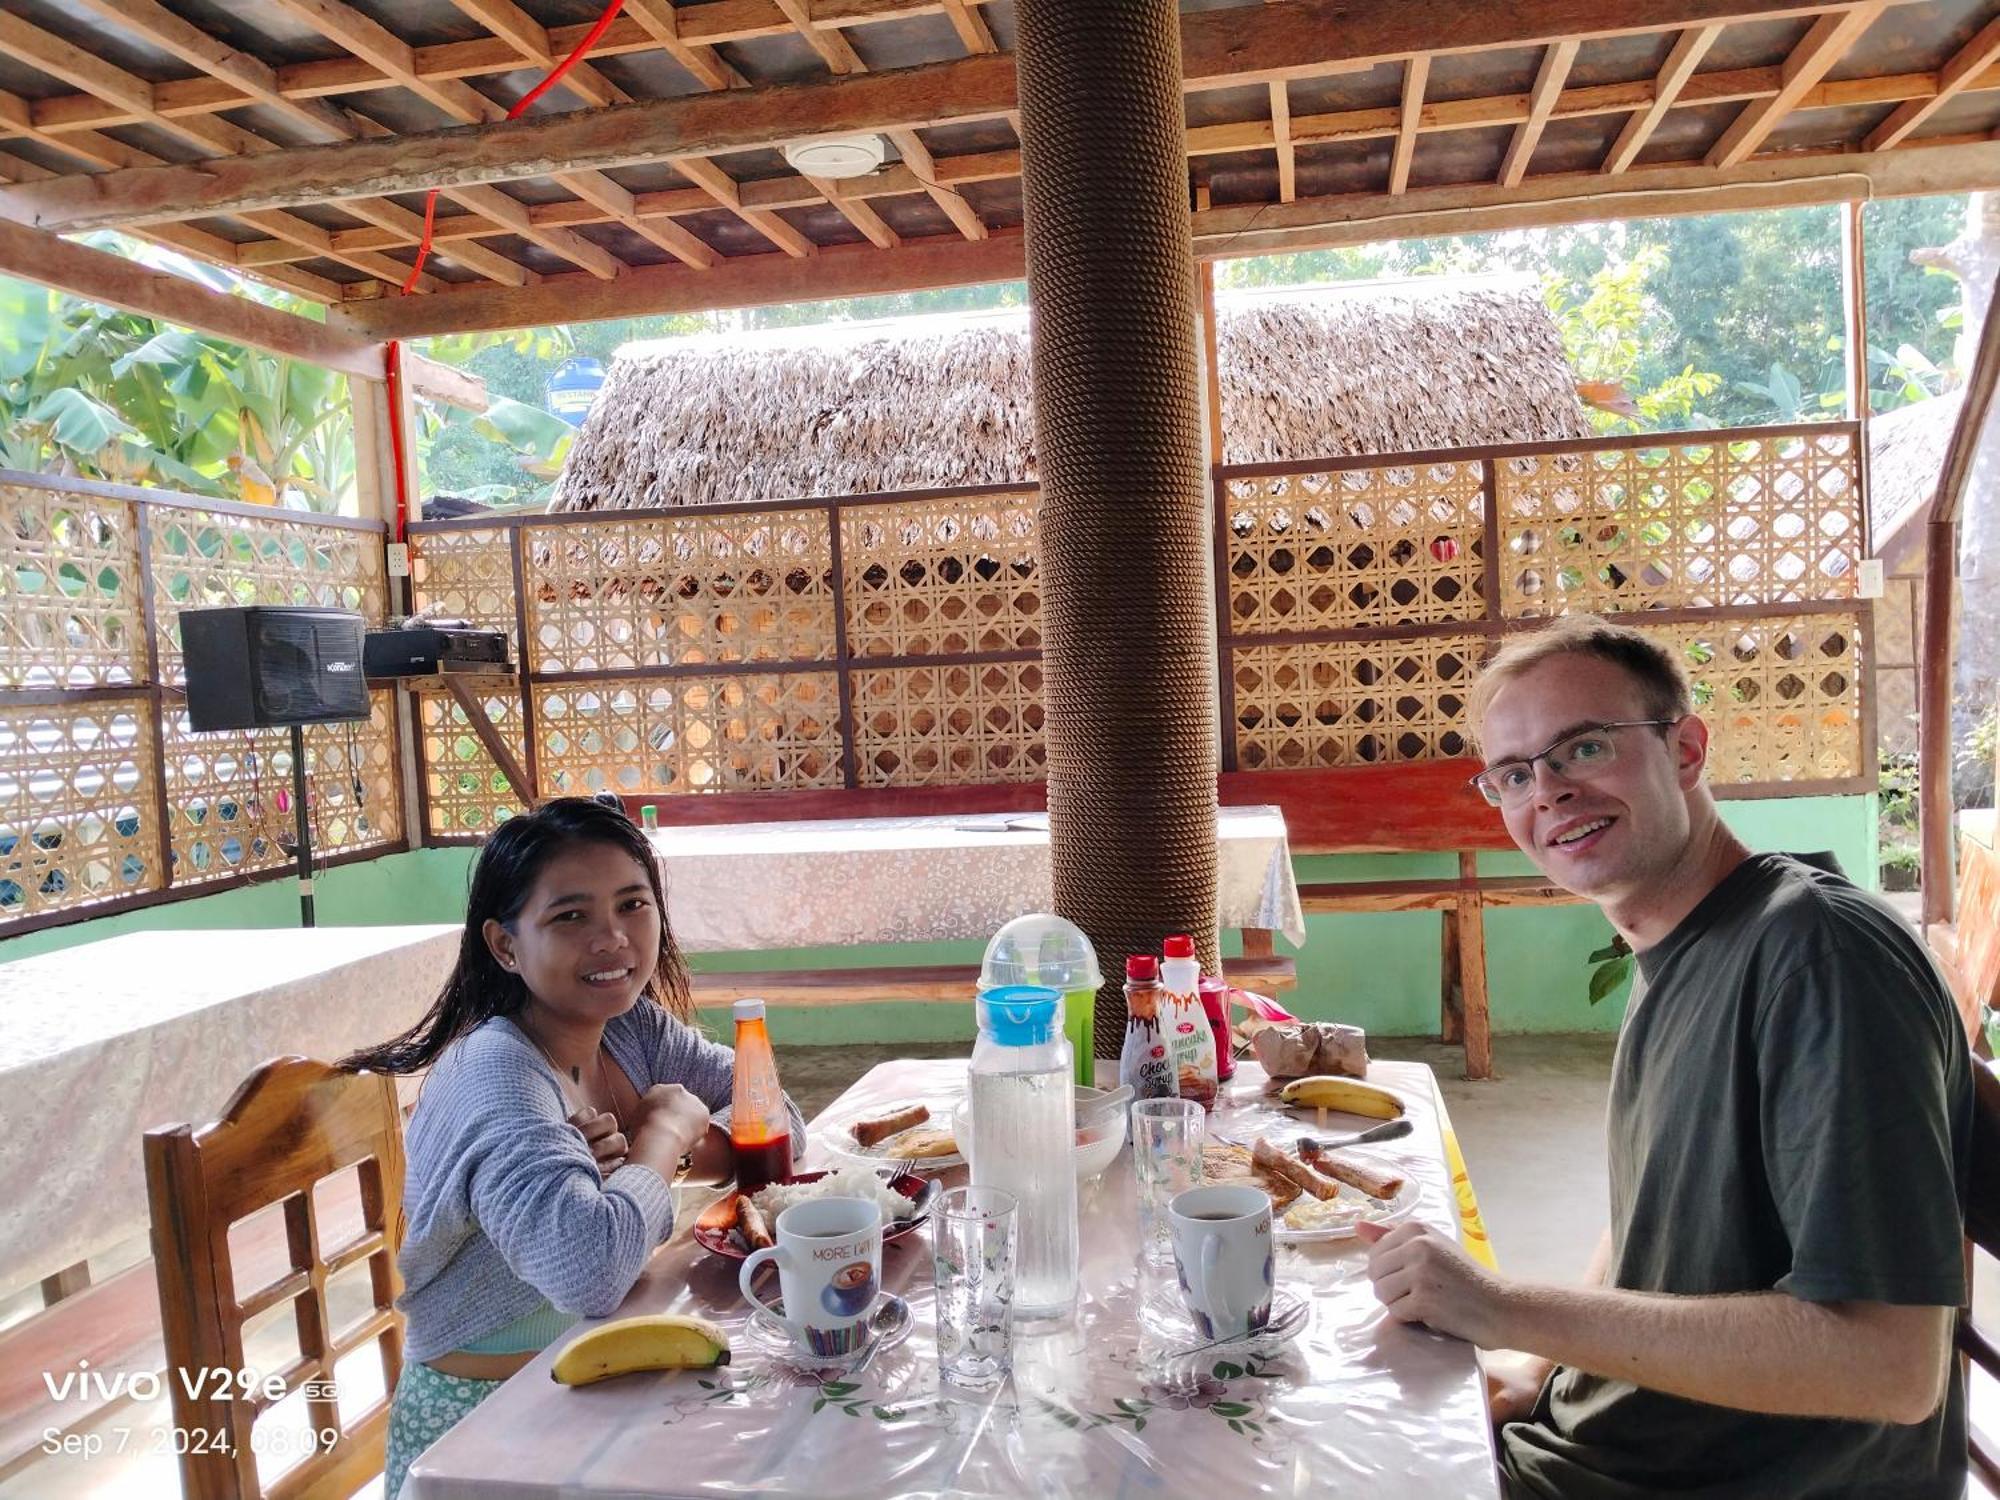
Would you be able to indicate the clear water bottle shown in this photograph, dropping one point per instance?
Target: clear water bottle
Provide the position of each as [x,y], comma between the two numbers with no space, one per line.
[1024,1138]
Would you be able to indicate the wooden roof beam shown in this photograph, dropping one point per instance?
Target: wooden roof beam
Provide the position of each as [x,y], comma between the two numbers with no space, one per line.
[1673,76]
[1289,38]
[918,159]
[407,228]
[720,186]
[1416,73]
[1824,44]
[1541,100]
[973,33]
[118,282]
[530,38]
[381,49]
[1281,141]
[513,214]
[1957,75]
[856,211]
[619,205]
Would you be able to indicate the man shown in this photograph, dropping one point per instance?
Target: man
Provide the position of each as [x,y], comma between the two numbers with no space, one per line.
[1770,1313]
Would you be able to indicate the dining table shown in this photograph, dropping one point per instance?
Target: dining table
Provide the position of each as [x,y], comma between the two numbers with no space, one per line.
[1115,1400]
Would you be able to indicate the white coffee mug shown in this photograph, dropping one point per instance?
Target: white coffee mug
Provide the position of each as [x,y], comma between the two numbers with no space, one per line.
[829,1257]
[1222,1252]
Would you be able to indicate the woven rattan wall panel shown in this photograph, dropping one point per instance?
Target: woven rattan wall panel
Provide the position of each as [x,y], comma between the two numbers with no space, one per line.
[77,812]
[1356,548]
[1352,703]
[749,732]
[950,576]
[1761,520]
[71,612]
[949,724]
[617,594]
[465,793]
[205,558]
[1782,696]
[230,793]
[464,575]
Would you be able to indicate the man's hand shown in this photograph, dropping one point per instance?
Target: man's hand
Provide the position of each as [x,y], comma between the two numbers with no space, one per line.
[607,1142]
[1422,1277]
[1514,1384]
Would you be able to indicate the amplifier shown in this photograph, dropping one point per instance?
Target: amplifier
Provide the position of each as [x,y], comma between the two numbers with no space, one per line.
[417,649]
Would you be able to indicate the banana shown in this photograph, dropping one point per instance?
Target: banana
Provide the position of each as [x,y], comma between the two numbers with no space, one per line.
[661,1341]
[1348,1095]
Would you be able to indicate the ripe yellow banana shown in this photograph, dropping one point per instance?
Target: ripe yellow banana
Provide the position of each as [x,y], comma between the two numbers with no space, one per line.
[660,1341]
[1349,1095]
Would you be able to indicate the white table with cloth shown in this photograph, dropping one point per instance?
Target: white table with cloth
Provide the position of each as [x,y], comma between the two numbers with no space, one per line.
[750,886]
[1354,1404]
[102,1042]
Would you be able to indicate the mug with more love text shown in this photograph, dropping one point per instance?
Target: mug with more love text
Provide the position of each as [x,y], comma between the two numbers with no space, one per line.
[1223,1256]
[829,1258]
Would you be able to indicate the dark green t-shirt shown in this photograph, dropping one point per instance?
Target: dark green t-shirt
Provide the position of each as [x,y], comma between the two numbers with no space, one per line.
[1791,1103]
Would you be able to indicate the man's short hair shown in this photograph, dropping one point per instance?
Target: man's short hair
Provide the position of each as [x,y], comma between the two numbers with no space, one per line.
[1662,679]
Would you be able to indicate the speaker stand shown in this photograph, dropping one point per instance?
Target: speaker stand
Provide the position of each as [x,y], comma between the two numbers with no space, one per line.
[302,826]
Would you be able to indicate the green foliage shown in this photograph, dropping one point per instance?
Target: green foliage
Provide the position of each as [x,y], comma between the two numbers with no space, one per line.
[103,394]
[1611,970]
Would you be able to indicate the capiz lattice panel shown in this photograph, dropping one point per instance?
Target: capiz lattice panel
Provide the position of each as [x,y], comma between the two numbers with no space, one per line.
[948,576]
[465,575]
[734,733]
[1355,548]
[465,793]
[1781,696]
[949,723]
[77,812]
[1352,703]
[230,792]
[1748,521]
[619,593]
[205,559]
[71,613]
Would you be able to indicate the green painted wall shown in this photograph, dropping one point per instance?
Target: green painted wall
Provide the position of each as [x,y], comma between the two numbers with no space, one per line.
[1378,970]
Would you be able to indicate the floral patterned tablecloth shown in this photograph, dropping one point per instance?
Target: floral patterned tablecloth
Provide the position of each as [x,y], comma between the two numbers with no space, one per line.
[101,1042]
[1355,1404]
[755,886]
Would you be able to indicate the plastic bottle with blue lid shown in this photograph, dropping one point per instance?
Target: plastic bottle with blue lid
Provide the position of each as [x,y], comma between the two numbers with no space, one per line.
[1024,1138]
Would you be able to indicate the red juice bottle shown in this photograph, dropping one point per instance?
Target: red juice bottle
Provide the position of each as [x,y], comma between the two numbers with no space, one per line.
[759,1127]
[1215,1001]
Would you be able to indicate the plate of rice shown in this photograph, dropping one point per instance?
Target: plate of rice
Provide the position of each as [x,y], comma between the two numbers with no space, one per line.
[904,1201]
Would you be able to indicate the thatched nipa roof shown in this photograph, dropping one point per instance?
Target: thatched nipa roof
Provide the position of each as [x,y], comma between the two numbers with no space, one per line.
[1905,457]
[930,402]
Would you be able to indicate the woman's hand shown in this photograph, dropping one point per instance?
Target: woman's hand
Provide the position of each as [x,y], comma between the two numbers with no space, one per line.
[1514,1384]
[672,1123]
[606,1141]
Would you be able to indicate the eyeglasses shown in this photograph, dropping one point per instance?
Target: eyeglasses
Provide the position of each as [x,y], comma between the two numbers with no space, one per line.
[1578,756]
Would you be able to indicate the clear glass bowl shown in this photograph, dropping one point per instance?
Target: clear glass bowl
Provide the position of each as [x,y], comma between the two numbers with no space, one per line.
[1101,1116]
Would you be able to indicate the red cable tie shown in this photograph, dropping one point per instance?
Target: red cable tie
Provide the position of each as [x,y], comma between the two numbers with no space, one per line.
[549,81]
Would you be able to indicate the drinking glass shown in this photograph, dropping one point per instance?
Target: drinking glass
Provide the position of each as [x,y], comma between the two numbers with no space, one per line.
[1166,1159]
[973,1237]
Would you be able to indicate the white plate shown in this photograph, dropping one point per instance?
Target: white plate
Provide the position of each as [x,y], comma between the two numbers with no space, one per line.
[1398,1208]
[837,1136]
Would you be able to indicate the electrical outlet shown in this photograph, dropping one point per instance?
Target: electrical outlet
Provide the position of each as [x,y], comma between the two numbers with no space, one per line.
[1873,584]
[399,559]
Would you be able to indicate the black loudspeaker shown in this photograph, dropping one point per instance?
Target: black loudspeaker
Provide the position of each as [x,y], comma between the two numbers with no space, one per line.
[267,666]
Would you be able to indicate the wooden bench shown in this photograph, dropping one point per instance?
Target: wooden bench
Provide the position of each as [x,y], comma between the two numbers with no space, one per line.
[1968,946]
[1266,975]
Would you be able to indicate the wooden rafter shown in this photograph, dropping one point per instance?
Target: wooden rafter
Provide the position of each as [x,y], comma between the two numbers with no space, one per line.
[720,186]
[1416,73]
[1287,39]
[1823,45]
[973,32]
[917,157]
[1476,23]
[857,212]
[1281,140]
[662,23]
[828,42]
[1957,75]
[393,57]
[621,207]
[530,38]
[1686,56]
[118,282]
[1542,99]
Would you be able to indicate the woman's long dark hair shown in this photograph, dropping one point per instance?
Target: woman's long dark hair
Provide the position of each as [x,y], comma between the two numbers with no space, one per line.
[509,865]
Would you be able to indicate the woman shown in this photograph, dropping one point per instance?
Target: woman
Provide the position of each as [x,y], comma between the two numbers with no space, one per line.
[566,1090]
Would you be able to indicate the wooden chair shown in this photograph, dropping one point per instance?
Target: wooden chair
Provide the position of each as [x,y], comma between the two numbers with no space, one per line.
[291,1126]
[1982,1228]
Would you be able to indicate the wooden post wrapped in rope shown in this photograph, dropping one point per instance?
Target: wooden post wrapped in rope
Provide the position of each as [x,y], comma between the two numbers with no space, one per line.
[1129,641]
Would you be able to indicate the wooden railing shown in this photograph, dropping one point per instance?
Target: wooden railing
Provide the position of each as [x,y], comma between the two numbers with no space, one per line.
[892,642]
[108,800]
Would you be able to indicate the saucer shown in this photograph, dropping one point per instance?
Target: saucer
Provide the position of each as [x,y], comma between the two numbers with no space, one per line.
[769,1336]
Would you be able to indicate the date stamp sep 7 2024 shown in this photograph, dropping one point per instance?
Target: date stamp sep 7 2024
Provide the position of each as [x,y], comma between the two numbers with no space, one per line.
[279,1440]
